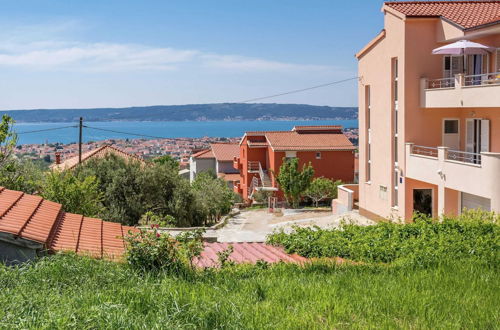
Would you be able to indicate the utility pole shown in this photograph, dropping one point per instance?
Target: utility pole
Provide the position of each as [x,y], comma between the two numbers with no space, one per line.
[80,141]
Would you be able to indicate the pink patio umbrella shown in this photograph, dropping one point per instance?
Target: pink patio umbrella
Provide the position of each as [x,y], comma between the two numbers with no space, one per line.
[462,47]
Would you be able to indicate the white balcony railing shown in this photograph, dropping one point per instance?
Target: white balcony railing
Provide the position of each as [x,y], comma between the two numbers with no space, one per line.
[461,91]
[464,157]
[440,83]
[482,79]
[474,173]
[424,151]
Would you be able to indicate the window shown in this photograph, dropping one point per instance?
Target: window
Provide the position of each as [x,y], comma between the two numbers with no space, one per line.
[318,155]
[395,119]
[451,126]
[368,132]
[291,154]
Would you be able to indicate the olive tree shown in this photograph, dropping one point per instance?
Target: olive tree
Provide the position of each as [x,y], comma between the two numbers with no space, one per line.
[321,189]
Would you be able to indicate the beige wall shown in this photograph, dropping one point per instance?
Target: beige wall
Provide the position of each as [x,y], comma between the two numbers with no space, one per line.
[375,70]
[412,41]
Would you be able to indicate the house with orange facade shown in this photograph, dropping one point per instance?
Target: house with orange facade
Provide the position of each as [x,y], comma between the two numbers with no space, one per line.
[429,110]
[261,154]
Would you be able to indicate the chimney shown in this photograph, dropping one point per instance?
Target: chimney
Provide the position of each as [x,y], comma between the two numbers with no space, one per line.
[58,158]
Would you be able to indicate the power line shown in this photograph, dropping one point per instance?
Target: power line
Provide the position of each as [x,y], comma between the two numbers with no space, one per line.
[126,133]
[46,129]
[299,90]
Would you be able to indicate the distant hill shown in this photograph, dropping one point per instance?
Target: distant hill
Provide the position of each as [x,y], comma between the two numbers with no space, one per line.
[195,112]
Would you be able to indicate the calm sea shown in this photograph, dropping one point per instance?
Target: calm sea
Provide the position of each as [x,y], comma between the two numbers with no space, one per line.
[167,129]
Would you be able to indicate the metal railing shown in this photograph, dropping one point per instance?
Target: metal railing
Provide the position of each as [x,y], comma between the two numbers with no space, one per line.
[424,151]
[482,79]
[464,157]
[255,184]
[440,83]
[253,166]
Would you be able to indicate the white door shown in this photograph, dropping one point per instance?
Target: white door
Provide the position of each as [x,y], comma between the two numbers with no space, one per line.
[470,201]
[451,133]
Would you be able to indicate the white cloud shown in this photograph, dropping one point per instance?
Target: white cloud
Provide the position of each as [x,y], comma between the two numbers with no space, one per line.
[241,63]
[57,55]
[93,57]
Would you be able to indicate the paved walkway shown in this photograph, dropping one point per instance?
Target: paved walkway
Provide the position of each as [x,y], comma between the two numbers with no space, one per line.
[255,225]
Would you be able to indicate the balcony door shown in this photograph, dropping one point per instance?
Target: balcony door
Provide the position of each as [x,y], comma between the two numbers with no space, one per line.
[451,133]
[477,135]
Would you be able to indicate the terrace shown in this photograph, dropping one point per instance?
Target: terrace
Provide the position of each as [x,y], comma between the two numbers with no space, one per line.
[461,91]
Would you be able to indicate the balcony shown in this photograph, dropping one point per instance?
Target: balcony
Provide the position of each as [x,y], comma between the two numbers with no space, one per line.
[461,91]
[477,174]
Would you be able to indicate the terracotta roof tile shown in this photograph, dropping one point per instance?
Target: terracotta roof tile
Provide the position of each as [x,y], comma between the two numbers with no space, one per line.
[207,153]
[34,219]
[100,152]
[225,151]
[284,141]
[466,14]
[229,176]
[245,253]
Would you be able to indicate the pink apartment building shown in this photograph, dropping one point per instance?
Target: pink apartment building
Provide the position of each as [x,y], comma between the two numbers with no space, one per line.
[430,124]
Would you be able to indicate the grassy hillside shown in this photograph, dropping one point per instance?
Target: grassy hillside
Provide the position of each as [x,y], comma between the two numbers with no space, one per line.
[74,292]
[193,112]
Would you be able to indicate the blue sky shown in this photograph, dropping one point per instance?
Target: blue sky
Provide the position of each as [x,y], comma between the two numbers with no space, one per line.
[110,53]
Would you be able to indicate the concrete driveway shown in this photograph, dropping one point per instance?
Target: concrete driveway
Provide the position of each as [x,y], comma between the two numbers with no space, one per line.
[255,225]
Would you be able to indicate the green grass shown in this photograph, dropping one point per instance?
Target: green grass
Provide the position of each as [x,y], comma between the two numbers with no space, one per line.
[74,292]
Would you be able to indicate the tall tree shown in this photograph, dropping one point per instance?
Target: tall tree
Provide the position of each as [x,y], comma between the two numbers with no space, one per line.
[293,181]
[8,140]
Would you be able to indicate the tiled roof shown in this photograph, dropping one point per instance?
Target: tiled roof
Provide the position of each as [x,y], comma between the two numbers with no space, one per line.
[225,151]
[466,14]
[100,152]
[35,219]
[318,128]
[229,176]
[207,153]
[293,141]
[245,253]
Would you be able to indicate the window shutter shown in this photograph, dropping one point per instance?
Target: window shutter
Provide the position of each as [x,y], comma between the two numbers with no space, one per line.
[469,136]
[485,135]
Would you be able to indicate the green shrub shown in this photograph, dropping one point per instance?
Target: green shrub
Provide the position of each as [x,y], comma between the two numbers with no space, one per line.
[150,250]
[77,195]
[472,235]
[150,218]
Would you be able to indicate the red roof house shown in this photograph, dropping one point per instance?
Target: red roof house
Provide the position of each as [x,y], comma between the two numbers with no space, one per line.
[329,151]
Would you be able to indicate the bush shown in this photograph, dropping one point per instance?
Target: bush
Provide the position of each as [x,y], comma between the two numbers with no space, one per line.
[150,218]
[131,189]
[471,235]
[321,189]
[213,195]
[21,175]
[77,195]
[150,250]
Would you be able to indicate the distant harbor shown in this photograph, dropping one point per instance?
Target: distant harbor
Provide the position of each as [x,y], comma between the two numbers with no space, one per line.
[156,129]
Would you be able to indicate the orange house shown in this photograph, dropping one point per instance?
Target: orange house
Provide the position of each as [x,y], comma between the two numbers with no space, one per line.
[429,123]
[261,154]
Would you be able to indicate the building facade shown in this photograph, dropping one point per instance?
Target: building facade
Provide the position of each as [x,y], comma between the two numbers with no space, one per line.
[219,160]
[261,154]
[429,135]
